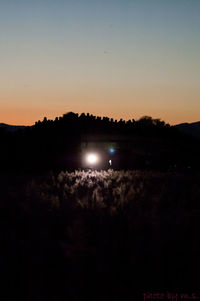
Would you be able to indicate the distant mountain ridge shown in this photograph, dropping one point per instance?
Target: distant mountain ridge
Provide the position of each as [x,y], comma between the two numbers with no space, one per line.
[12,128]
[190,129]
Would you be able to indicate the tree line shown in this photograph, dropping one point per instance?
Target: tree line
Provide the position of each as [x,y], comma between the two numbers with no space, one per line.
[56,144]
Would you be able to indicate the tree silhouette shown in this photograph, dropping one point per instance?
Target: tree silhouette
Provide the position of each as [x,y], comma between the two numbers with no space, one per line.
[56,144]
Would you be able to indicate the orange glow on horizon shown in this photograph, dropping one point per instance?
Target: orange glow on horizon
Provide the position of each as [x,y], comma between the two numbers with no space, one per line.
[112,102]
[19,116]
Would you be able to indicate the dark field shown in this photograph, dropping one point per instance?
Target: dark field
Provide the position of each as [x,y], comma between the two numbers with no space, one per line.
[107,235]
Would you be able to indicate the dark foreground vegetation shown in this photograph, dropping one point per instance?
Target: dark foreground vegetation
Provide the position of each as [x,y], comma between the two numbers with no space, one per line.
[98,235]
[107,235]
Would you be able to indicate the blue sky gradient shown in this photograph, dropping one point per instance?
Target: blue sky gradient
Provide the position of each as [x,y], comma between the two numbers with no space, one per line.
[123,59]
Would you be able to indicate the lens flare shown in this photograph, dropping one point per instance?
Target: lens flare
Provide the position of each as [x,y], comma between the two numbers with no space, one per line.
[111,150]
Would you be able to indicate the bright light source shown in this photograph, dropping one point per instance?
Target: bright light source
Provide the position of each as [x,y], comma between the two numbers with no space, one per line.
[92,158]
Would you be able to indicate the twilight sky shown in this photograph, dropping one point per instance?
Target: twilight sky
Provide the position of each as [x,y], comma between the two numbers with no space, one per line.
[115,58]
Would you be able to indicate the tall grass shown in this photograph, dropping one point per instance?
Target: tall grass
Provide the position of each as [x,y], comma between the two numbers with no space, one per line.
[104,235]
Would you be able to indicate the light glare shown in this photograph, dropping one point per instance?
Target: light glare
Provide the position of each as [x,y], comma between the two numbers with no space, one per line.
[92,158]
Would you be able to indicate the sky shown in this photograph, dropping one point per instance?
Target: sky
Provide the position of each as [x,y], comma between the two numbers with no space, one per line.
[116,58]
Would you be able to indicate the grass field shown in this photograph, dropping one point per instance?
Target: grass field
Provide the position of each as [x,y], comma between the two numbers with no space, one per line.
[100,235]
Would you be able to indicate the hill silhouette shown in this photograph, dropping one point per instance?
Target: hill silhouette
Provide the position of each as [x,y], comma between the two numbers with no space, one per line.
[56,144]
[11,128]
[190,129]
